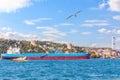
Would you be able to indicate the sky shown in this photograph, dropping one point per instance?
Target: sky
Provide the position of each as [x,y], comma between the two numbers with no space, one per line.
[45,20]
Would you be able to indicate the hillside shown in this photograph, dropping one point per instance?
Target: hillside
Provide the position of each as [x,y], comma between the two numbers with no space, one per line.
[37,46]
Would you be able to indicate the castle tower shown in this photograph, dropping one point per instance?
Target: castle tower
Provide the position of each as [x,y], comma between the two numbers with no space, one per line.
[69,46]
[113,42]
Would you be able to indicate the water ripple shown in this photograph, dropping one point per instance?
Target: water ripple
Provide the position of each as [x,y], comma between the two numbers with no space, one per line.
[93,69]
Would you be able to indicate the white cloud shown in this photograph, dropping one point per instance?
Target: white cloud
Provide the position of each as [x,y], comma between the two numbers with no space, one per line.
[103,4]
[86,33]
[63,24]
[112,31]
[117,17]
[49,28]
[115,27]
[8,33]
[17,36]
[93,45]
[50,32]
[8,6]
[29,22]
[5,29]
[73,31]
[101,45]
[94,23]
[66,24]
[102,30]
[32,22]
[114,5]
[46,33]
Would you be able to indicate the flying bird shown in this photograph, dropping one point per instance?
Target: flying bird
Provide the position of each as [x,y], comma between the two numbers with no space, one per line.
[75,14]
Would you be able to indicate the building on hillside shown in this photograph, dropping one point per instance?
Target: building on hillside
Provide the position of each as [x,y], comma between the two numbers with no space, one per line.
[69,46]
[15,50]
[106,53]
[33,43]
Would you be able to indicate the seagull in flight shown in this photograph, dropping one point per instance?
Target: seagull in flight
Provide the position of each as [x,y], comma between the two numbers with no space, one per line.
[75,14]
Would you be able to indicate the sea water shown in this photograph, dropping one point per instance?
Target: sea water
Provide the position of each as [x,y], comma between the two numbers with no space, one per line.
[92,69]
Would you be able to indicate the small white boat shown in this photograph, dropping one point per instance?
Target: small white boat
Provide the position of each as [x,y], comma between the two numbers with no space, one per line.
[20,59]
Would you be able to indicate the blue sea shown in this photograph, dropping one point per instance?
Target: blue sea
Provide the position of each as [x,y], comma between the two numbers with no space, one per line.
[92,69]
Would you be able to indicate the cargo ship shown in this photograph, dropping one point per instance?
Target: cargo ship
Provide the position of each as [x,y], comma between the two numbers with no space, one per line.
[48,56]
[13,53]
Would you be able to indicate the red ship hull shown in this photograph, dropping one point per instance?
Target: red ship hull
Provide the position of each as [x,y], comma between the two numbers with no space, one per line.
[59,58]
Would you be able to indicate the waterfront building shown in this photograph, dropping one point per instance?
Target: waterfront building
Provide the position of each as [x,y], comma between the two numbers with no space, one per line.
[12,50]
